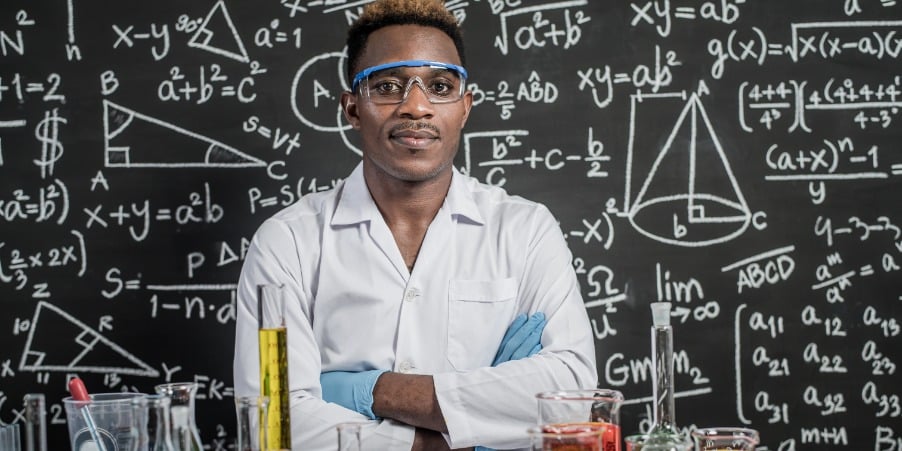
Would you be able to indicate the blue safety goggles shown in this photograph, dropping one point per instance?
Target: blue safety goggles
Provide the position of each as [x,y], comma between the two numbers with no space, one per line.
[461,72]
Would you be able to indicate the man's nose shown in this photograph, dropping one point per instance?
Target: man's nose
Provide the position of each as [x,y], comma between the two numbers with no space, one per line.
[416,99]
[410,84]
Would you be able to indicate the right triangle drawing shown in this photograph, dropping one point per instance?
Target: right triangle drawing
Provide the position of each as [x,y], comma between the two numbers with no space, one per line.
[57,341]
[132,139]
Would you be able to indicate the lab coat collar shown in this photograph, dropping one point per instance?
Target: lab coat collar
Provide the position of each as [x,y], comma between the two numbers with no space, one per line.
[355,204]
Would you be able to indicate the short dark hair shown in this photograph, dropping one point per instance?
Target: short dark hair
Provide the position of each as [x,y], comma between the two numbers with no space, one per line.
[382,13]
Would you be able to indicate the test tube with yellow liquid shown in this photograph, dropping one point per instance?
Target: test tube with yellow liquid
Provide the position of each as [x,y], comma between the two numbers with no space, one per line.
[274,366]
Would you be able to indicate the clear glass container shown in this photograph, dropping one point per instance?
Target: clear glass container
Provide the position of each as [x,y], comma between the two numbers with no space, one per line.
[183,429]
[725,438]
[251,412]
[35,422]
[151,423]
[663,432]
[566,437]
[579,410]
[638,443]
[350,436]
[10,439]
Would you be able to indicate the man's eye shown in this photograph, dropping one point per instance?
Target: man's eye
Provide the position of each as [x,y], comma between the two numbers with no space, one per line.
[386,87]
[441,87]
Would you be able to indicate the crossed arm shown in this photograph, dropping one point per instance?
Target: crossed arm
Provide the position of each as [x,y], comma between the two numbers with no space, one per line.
[411,398]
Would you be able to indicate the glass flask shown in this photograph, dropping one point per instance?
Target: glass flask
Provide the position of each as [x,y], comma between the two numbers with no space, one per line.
[35,422]
[349,436]
[9,437]
[638,443]
[251,412]
[151,423]
[726,438]
[183,429]
[663,433]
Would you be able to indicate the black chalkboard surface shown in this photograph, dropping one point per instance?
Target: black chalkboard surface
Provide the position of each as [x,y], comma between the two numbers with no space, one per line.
[737,158]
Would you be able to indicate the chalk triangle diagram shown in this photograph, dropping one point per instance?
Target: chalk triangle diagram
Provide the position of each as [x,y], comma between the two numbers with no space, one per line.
[225,40]
[132,139]
[57,341]
[690,196]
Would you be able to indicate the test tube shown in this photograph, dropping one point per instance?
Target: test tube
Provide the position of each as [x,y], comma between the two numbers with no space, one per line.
[273,338]
[35,422]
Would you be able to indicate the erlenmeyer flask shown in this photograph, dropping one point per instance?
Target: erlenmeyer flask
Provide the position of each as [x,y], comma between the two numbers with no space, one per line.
[664,434]
[151,423]
[183,429]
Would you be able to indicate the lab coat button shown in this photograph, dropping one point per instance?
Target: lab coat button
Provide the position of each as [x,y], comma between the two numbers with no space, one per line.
[405,367]
[411,294]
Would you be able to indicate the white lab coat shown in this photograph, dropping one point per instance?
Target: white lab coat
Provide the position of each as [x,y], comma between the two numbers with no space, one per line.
[354,306]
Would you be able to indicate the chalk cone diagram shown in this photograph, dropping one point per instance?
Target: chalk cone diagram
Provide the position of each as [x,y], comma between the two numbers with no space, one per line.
[690,196]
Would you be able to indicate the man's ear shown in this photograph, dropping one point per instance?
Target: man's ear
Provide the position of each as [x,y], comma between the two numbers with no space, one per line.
[468,104]
[349,109]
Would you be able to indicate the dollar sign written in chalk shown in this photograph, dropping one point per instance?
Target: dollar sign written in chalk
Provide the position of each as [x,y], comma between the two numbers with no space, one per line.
[47,132]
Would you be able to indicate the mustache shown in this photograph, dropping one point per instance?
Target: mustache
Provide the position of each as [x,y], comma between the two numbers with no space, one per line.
[414,126]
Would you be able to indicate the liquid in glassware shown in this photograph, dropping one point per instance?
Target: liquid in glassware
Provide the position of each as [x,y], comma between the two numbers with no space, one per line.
[274,384]
[607,437]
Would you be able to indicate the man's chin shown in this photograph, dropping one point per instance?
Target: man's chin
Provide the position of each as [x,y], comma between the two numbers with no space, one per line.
[419,174]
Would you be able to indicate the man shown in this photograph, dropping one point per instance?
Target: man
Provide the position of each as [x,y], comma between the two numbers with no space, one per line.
[409,285]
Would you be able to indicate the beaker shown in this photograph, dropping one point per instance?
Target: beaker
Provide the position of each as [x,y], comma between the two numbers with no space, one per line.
[102,423]
[566,437]
[151,423]
[725,438]
[597,409]
[350,437]
[251,412]
[183,429]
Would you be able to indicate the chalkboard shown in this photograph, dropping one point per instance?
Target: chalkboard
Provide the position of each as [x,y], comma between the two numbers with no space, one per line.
[737,158]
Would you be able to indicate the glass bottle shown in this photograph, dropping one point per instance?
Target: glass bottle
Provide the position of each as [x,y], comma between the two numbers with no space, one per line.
[273,341]
[151,423]
[349,436]
[35,422]
[251,412]
[663,433]
[10,439]
[183,429]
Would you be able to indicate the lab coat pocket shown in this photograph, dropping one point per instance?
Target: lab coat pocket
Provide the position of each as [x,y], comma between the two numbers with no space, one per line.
[479,312]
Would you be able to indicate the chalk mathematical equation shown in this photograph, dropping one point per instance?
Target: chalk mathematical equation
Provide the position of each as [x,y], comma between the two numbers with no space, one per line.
[737,158]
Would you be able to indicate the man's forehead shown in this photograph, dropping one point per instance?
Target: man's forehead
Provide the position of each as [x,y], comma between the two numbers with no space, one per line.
[408,42]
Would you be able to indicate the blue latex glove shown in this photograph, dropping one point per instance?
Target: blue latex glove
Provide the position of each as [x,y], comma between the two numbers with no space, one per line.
[522,339]
[483,448]
[351,390]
